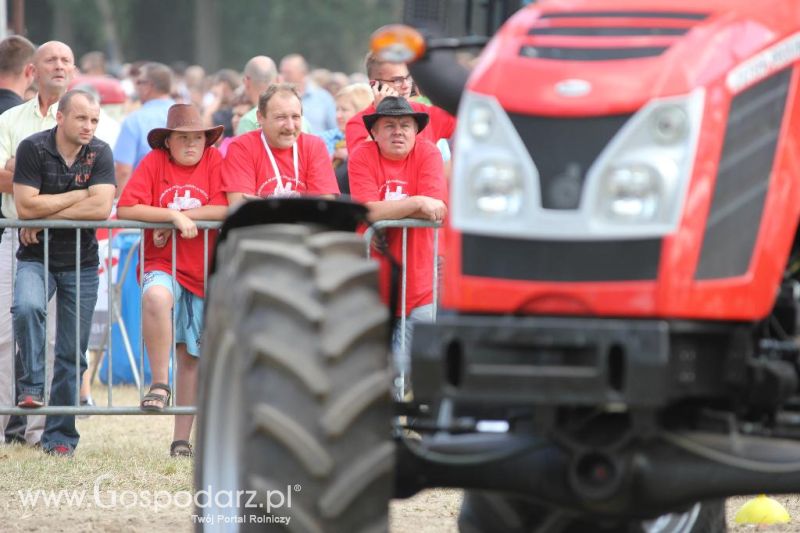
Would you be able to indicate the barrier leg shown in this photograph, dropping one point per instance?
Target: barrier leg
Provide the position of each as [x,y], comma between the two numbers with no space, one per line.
[127,342]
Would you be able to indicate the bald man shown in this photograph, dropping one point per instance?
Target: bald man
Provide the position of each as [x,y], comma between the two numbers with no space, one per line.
[318,104]
[54,66]
[259,73]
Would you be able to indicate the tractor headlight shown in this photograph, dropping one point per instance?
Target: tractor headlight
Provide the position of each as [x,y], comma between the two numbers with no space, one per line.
[493,186]
[641,178]
[635,187]
[497,189]
[479,121]
[633,193]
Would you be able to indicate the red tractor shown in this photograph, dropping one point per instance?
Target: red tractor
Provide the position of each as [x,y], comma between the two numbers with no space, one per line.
[617,346]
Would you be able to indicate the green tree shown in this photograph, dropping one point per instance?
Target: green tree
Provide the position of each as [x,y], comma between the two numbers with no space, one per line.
[329,33]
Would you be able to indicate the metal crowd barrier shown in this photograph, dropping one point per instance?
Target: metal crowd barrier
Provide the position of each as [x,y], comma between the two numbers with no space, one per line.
[402,360]
[111,225]
[205,226]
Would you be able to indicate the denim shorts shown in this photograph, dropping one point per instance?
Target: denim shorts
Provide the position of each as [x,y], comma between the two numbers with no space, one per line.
[188,310]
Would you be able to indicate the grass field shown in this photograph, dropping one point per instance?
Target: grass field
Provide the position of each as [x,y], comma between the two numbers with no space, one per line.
[115,455]
[128,482]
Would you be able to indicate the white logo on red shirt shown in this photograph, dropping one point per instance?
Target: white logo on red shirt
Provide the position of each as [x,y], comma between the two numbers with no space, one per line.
[182,203]
[397,193]
[183,197]
[284,188]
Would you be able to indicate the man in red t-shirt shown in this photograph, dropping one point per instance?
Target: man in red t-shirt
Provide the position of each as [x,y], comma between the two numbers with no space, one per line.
[393,79]
[278,160]
[400,175]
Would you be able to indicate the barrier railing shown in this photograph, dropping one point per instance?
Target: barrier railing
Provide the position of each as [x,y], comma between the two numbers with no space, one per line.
[140,227]
[402,359]
[110,225]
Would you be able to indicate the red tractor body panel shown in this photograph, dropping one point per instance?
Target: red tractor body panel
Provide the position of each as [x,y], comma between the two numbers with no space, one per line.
[696,46]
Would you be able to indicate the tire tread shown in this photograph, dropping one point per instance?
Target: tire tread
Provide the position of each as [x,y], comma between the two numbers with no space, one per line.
[295,438]
[299,312]
[347,407]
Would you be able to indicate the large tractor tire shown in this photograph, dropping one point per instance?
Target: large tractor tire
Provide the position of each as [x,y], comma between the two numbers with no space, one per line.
[485,512]
[294,403]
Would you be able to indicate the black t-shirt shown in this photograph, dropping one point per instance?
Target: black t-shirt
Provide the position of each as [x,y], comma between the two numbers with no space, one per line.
[342,178]
[9,99]
[39,165]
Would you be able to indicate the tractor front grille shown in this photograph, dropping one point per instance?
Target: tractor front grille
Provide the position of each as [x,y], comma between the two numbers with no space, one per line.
[560,261]
[745,167]
[606,35]
[563,150]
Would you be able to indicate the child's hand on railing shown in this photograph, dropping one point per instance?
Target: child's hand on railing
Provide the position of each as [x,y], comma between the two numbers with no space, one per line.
[161,236]
[184,224]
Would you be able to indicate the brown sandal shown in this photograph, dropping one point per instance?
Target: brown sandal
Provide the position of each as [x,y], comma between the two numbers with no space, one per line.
[180,448]
[153,397]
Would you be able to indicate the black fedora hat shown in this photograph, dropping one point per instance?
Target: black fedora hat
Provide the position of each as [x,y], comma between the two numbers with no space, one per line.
[395,106]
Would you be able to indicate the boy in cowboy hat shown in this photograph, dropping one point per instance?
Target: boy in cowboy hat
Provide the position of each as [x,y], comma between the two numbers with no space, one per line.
[178,182]
[401,175]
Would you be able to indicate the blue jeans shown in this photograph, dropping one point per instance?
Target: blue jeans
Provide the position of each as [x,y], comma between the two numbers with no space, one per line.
[29,313]
[402,357]
[188,310]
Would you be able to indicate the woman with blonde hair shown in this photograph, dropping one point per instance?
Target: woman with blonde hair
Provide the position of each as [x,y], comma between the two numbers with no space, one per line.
[349,100]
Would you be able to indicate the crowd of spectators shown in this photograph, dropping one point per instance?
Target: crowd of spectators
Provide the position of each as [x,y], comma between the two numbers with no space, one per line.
[182,145]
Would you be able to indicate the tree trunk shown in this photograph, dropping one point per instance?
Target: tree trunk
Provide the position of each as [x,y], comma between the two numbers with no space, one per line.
[207,34]
[110,34]
[62,22]
[18,23]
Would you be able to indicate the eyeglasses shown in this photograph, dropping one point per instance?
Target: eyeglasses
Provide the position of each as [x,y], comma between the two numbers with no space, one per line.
[142,82]
[397,80]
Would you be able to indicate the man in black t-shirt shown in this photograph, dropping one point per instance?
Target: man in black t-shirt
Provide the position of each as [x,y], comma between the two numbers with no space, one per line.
[16,70]
[63,173]
[16,73]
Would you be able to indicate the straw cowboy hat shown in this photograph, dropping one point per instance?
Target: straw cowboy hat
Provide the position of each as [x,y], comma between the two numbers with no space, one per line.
[395,106]
[183,117]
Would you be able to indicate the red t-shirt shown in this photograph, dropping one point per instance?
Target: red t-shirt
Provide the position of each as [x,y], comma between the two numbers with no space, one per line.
[440,126]
[159,182]
[373,179]
[247,168]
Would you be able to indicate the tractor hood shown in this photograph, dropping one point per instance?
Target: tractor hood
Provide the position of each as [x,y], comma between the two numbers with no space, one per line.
[589,57]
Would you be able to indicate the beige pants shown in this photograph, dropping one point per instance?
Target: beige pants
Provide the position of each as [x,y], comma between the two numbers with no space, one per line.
[35,426]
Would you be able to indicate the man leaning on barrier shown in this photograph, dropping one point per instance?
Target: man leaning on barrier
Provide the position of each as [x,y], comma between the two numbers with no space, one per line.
[62,173]
[178,182]
[402,176]
[53,67]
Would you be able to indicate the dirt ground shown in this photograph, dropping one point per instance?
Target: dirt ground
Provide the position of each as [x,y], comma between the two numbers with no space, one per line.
[436,511]
[127,454]
[432,511]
